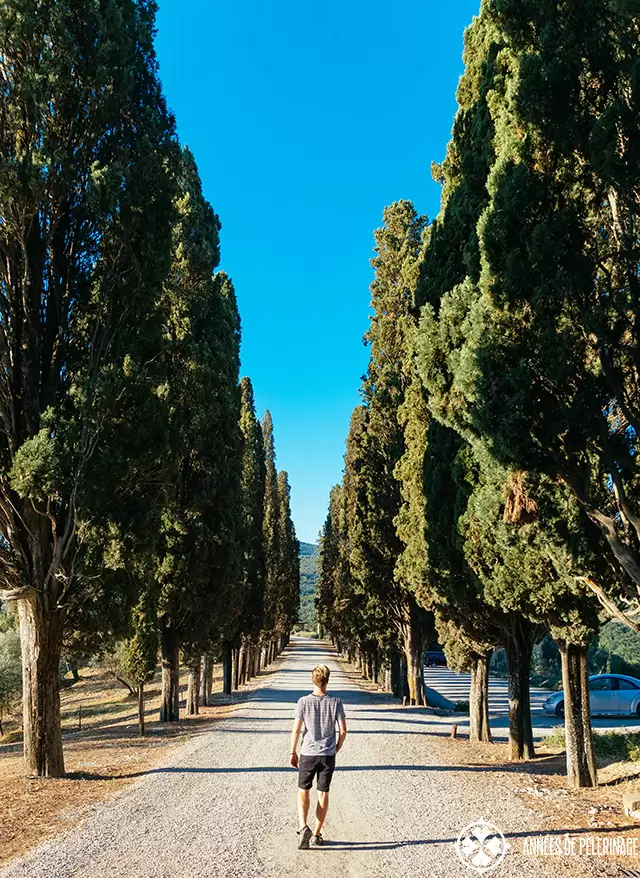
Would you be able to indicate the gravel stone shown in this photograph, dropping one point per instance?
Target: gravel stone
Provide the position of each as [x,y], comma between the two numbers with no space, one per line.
[223,804]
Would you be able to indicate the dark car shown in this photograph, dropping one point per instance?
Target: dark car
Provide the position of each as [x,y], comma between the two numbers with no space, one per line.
[435,658]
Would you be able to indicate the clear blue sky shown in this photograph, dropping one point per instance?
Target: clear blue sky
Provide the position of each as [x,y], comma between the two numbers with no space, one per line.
[306,119]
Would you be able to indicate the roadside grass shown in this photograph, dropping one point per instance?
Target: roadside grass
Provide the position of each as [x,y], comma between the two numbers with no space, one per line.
[609,746]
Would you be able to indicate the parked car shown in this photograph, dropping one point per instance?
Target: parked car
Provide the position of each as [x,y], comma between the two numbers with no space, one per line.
[608,694]
[435,658]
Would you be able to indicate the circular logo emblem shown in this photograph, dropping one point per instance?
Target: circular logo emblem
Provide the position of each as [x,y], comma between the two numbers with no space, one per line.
[481,846]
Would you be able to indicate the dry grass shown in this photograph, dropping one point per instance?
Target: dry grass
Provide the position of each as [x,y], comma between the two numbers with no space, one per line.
[101,758]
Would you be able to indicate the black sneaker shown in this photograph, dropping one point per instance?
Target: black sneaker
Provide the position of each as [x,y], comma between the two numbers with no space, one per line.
[303,842]
[316,841]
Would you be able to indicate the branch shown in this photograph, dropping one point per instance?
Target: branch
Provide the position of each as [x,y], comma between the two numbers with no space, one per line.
[612,609]
[17,594]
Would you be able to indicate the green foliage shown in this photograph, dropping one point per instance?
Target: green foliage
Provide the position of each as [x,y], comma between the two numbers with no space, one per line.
[253,492]
[8,621]
[610,746]
[140,653]
[201,555]
[288,560]
[309,573]
[10,671]
[34,474]
[528,349]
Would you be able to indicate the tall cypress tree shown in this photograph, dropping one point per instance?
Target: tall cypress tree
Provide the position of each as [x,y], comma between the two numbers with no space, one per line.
[200,524]
[555,330]
[270,534]
[288,563]
[389,377]
[253,491]
[86,144]
[523,537]
[242,635]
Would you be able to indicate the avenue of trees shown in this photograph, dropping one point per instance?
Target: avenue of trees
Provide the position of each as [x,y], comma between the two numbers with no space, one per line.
[491,490]
[139,498]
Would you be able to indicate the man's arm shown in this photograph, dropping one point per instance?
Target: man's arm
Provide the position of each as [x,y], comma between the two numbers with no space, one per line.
[295,734]
[342,729]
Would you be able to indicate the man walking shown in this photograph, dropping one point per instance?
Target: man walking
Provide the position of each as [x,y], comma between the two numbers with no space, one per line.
[319,714]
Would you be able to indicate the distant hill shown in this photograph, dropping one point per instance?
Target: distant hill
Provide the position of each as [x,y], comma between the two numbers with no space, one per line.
[308,583]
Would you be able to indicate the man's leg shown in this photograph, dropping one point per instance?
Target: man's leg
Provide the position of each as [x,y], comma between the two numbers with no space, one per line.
[324,782]
[321,811]
[304,797]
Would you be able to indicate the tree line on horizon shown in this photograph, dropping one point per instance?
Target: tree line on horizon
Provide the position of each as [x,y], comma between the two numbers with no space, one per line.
[491,488]
[139,496]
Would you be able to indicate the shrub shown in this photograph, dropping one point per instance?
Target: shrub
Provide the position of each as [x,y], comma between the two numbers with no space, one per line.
[10,672]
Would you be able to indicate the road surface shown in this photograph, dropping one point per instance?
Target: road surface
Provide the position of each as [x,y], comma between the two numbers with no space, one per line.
[223,804]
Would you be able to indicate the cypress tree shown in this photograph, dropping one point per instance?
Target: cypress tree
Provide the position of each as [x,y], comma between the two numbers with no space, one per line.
[270,536]
[525,559]
[141,649]
[253,491]
[288,563]
[389,377]
[86,149]
[200,555]
[555,326]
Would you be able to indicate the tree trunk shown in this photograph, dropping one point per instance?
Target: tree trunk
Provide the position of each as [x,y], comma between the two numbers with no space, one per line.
[413,652]
[397,678]
[141,729]
[193,688]
[41,644]
[581,760]
[206,679]
[518,648]
[242,664]
[170,705]
[479,728]
[227,669]
[236,668]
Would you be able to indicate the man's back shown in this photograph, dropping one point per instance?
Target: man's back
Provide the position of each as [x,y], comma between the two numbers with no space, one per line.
[319,713]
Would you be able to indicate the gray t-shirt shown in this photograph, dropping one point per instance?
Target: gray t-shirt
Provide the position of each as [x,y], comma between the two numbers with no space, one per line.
[319,713]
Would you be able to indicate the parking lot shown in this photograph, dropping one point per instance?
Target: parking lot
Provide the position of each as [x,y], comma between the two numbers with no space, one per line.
[455,687]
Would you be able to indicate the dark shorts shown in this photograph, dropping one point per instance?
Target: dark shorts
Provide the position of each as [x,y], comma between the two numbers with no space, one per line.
[312,766]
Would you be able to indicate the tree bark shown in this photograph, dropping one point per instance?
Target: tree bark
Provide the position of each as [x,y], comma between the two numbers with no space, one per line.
[170,705]
[242,664]
[413,651]
[227,669]
[236,667]
[206,679]
[193,688]
[397,678]
[518,648]
[41,644]
[581,760]
[141,728]
[479,728]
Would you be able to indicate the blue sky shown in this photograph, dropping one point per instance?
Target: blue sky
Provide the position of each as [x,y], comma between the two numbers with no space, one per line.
[306,119]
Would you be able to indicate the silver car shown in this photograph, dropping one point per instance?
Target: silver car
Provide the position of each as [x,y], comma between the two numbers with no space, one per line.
[608,694]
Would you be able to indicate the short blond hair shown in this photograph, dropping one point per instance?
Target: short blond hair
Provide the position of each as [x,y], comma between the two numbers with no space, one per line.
[320,675]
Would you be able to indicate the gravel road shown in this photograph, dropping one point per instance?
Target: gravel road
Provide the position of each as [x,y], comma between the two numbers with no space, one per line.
[223,804]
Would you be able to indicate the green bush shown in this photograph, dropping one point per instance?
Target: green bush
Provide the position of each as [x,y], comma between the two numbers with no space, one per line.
[615,746]
[10,672]
[556,739]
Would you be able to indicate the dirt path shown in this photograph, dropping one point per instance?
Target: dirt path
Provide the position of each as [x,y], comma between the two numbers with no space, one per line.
[224,803]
